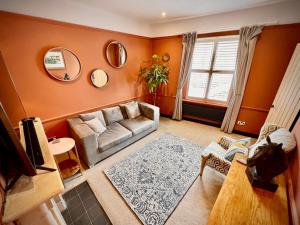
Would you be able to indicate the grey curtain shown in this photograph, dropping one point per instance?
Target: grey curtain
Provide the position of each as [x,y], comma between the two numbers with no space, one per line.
[188,44]
[247,42]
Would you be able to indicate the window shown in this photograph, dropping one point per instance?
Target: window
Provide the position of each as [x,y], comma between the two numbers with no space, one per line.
[213,66]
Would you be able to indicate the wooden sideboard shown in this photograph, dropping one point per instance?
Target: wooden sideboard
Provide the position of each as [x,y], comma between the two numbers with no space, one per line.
[30,192]
[239,203]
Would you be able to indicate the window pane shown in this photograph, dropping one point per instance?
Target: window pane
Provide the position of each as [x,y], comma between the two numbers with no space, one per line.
[198,85]
[202,55]
[226,55]
[219,86]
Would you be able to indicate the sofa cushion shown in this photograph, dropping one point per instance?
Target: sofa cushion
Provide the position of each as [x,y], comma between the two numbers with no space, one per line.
[115,134]
[96,125]
[92,115]
[123,110]
[112,114]
[132,110]
[138,124]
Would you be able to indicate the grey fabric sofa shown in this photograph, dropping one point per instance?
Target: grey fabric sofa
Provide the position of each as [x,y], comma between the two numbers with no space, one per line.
[93,148]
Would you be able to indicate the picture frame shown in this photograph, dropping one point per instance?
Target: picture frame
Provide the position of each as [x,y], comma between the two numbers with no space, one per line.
[54,60]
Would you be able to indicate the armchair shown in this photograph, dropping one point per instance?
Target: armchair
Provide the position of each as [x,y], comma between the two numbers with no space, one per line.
[214,155]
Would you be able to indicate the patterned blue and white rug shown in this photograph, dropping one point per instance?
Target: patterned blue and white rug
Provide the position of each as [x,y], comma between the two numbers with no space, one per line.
[153,180]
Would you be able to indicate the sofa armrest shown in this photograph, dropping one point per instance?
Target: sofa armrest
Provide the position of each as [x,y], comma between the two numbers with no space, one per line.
[86,138]
[150,111]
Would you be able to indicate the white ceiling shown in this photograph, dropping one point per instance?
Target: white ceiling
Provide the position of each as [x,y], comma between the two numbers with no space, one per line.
[143,17]
[150,10]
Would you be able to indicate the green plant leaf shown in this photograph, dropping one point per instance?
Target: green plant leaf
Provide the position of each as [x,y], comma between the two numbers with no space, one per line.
[155,75]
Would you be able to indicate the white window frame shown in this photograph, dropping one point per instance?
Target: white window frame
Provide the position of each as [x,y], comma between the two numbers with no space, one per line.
[210,71]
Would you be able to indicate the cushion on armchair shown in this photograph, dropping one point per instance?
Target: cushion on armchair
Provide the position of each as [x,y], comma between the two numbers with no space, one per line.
[266,130]
[239,146]
[281,135]
[225,142]
[214,148]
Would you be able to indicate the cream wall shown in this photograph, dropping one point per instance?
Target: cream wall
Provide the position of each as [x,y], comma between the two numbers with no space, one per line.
[81,13]
[76,12]
[281,13]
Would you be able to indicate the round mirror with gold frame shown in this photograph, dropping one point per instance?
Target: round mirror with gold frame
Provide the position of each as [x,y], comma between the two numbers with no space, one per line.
[62,64]
[116,54]
[166,57]
[99,78]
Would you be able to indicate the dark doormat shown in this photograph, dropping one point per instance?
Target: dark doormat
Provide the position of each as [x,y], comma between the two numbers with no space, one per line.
[83,208]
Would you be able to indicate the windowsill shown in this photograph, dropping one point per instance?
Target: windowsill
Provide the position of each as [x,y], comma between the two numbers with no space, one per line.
[206,103]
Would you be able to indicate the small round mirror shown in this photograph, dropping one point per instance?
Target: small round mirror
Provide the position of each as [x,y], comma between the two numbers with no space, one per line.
[99,78]
[116,54]
[62,64]
[166,57]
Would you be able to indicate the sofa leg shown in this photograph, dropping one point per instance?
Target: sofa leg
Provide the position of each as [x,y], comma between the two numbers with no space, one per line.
[203,163]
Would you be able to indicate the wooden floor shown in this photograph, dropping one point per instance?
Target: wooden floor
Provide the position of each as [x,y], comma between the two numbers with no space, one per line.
[196,205]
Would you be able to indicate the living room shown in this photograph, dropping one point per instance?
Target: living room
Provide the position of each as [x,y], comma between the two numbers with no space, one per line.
[144,112]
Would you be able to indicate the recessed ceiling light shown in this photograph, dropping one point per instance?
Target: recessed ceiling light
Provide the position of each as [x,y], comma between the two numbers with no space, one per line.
[163,14]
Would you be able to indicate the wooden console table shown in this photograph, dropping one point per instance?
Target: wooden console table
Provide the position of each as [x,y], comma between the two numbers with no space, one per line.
[239,203]
[30,192]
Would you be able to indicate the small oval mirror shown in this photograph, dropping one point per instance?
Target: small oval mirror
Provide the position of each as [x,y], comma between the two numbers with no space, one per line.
[166,57]
[116,54]
[99,78]
[62,64]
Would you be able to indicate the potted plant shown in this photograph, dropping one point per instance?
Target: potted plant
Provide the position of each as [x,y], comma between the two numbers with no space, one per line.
[155,75]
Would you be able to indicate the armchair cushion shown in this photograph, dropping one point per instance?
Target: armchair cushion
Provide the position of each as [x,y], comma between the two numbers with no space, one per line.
[266,130]
[225,142]
[214,155]
[237,147]
[281,135]
[214,148]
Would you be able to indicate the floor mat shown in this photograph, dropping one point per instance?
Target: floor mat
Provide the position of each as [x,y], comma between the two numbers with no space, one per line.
[83,208]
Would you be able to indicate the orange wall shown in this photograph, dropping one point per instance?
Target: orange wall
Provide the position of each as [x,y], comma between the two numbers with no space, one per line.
[173,46]
[8,97]
[272,54]
[23,42]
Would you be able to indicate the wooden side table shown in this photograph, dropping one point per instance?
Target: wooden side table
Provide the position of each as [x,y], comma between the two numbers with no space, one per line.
[68,167]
